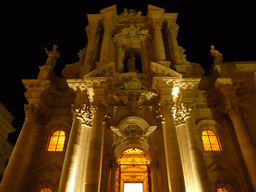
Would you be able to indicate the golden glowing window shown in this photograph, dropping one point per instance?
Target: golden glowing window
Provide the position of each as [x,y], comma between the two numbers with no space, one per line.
[46,189]
[210,141]
[57,140]
[222,189]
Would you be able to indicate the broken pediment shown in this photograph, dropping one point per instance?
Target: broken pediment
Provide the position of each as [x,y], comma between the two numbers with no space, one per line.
[107,70]
[162,70]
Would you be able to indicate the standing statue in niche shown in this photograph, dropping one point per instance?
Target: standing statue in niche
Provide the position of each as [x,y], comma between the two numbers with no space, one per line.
[216,55]
[52,56]
[131,63]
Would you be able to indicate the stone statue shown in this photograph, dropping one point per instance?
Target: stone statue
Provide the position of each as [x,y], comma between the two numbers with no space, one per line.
[131,63]
[182,54]
[52,56]
[216,55]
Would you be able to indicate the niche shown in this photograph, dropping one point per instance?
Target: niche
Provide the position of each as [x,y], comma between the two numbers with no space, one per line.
[132,61]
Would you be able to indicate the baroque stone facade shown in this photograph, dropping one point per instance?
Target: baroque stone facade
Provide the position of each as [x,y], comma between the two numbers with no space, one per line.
[133,109]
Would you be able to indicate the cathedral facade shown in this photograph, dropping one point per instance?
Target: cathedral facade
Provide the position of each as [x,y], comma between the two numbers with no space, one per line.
[134,115]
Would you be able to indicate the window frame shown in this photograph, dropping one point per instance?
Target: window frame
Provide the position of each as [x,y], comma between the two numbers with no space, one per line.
[49,141]
[215,135]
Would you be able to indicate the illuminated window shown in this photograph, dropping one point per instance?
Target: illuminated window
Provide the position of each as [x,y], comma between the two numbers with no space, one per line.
[46,189]
[57,140]
[210,141]
[222,189]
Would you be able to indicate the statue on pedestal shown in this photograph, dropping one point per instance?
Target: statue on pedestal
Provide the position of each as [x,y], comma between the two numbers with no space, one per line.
[216,55]
[52,56]
[131,64]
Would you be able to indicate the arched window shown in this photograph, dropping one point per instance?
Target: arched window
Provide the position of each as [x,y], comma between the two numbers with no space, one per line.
[46,189]
[210,141]
[56,141]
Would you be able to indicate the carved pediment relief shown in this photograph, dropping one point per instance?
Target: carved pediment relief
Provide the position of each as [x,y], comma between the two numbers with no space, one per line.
[133,128]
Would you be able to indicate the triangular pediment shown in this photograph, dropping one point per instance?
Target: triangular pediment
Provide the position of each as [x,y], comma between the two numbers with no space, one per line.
[220,167]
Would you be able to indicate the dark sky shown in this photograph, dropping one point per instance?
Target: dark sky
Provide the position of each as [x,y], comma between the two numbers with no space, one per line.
[28,28]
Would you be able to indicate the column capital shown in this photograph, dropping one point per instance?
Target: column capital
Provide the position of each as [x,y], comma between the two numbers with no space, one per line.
[84,112]
[231,98]
[157,23]
[181,111]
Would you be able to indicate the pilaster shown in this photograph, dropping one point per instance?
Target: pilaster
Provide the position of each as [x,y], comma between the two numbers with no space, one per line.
[172,30]
[232,103]
[108,27]
[92,30]
[158,40]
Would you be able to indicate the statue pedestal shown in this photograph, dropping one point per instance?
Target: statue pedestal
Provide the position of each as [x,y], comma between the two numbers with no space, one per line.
[44,71]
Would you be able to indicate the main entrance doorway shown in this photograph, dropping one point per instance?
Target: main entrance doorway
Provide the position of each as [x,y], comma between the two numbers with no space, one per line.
[133,173]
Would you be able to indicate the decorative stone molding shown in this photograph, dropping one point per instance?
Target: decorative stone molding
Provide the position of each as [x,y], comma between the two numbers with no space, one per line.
[133,131]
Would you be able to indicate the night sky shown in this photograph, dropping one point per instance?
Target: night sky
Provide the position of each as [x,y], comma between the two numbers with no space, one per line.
[29,28]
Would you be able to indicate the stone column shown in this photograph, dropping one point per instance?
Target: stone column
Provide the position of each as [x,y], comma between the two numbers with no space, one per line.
[94,166]
[82,159]
[172,153]
[158,40]
[154,177]
[245,143]
[202,183]
[90,51]
[108,26]
[173,30]
[68,175]
[16,172]
[229,89]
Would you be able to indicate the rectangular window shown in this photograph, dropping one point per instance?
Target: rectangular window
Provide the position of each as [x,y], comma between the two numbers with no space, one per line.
[133,187]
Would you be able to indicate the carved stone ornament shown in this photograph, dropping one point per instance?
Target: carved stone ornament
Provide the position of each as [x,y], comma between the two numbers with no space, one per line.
[180,112]
[133,131]
[86,112]
[130,16]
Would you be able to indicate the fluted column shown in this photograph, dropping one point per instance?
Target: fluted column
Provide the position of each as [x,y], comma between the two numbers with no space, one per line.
[173,30]
[108,26]
[15,173]
[245,143]
[197,159]
[172,153]
[69,168]
[94,166]
[158,40]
